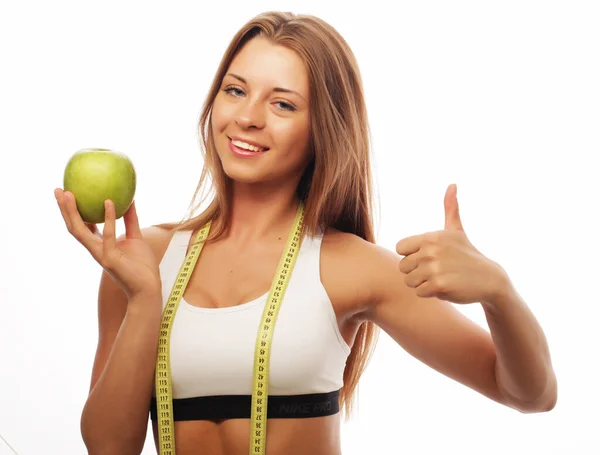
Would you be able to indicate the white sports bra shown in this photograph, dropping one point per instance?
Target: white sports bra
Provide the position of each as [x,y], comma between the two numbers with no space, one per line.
[212,349]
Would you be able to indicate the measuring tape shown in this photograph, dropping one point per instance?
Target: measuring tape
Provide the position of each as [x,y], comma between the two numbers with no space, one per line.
[260,384]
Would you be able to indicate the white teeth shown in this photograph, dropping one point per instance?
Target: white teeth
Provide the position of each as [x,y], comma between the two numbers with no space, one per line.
[245,146]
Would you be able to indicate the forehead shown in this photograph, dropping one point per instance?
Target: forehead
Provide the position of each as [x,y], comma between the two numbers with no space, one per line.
[262,63]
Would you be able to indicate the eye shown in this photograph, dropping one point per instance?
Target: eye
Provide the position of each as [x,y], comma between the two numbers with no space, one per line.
[285,106]
[231,89]
[236,91]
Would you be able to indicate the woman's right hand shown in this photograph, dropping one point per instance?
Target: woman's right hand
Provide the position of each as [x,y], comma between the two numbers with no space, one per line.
[130,261]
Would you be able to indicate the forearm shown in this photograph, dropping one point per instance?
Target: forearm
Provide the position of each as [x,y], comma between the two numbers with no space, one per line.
[524,372]
[115,416]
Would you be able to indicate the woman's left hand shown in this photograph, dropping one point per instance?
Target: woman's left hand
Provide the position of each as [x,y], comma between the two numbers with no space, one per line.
[444,264]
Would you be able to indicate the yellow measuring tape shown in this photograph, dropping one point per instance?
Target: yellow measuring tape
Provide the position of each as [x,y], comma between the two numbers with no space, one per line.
[260,384]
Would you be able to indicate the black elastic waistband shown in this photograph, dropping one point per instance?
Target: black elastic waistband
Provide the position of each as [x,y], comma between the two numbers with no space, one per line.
[238,406]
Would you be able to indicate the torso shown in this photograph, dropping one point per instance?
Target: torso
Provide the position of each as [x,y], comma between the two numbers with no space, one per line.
[217,264]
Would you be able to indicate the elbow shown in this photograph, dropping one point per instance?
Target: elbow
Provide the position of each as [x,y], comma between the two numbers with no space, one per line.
[546,402]
[108,441]
[552,398]
[535,408]
[111,450]
[112,447]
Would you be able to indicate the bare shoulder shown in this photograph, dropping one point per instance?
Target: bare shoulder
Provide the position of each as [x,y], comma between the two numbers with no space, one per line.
[355,266]
[158,239]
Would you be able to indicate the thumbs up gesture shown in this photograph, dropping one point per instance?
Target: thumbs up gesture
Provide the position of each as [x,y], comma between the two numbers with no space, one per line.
[445,264]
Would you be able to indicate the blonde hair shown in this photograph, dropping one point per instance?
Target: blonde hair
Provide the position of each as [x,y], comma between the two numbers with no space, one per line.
[336,187]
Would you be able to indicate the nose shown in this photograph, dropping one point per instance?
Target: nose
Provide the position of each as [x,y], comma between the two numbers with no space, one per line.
[251,114]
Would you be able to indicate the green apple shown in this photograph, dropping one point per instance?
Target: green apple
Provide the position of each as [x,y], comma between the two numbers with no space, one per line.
[94,175]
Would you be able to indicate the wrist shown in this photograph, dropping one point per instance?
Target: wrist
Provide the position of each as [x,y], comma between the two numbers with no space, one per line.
[145,303]
[500,290]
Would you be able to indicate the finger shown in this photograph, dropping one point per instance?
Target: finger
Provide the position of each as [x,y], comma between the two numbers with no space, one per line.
[409,263]
[60,199]
[108,232]
[409,245]
[93,229]
[132,224]
[78,228]
[417,277]
[426,290]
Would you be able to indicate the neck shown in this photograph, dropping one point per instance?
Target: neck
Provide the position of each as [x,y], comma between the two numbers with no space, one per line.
[261,214]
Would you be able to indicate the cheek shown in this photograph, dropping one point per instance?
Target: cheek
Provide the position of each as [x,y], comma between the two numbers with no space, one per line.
[222,114]
[293,135]
[217,118]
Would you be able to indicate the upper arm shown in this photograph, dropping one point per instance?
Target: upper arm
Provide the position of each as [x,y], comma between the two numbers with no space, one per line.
[112,304]
[431,330]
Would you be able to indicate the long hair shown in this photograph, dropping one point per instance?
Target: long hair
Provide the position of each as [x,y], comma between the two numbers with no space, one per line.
[337,187]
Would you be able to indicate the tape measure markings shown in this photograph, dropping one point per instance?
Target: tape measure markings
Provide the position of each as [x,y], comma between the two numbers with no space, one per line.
[163,383]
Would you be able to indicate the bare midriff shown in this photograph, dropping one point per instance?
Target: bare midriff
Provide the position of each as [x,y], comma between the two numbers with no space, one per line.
[315,436]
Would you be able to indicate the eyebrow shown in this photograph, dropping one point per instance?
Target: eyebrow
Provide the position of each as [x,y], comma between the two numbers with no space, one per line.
[276,89]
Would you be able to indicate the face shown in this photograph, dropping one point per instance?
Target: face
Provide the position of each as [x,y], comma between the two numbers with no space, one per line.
[263,101]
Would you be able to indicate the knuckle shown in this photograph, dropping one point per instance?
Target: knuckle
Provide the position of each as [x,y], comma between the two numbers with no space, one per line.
[111,258]
[436,238]
[436,269]
[106,263]
[430,251]
[431,238]
[439,284]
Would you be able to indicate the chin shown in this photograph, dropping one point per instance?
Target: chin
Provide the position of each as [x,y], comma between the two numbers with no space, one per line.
[239,170]
[241,175]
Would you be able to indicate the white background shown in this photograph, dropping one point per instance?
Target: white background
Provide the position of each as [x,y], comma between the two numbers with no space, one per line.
[501,98]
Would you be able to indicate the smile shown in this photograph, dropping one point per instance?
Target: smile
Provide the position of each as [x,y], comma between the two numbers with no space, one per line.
[244,149]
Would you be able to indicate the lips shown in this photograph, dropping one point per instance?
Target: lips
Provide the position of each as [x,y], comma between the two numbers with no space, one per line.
[263,148]
[243,153]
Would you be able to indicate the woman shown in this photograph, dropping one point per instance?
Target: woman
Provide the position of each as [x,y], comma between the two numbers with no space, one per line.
[284,129]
